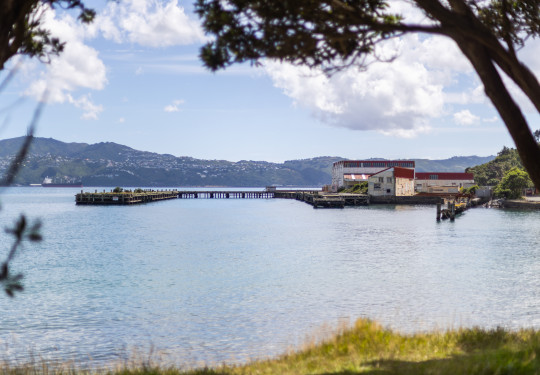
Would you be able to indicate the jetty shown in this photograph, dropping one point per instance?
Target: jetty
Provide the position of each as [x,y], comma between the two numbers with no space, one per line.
[455,205]
[225,194]
[124,197]
[319,200]
[127,197]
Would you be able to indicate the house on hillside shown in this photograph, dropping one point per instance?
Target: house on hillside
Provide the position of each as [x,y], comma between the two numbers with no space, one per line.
[442,182]
[347,173]
[394,181]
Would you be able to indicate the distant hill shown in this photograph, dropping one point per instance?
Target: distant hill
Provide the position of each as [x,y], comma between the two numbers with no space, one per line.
[112,164]
[454,164]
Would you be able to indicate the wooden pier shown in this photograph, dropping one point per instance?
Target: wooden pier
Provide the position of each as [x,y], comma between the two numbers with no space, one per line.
[127,197]
[124,197]
[225,194]
[452,209]
[316,199]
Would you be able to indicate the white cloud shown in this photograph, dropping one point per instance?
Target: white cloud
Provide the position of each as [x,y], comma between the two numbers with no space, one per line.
[465,117]
[491,119]
[90,110]
[149,23]
[78,66]
[397,98]
[146,22]
[121,120]
[174,107]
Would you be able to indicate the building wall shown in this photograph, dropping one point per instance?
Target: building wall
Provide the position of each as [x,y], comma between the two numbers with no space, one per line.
[424,186]
[364,167]
[404,187]
[382,184]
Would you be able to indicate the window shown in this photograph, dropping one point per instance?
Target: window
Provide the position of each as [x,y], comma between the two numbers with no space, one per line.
[389,180]
[381,179]
[376,186]
[387,191]
[433,177]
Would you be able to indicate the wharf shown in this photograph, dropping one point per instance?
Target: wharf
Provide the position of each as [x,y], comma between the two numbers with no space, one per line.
[455,206]
[225,194]
[316,199]
[124,197]
[127,197]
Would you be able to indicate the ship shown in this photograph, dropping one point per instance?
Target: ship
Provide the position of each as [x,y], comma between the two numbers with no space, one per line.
[48,182]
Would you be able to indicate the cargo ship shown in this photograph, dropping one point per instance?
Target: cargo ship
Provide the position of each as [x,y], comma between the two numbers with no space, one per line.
[48,182]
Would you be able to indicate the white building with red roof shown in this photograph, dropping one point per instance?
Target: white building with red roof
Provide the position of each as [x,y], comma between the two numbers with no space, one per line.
[442,182]
[394,181]
[351,172]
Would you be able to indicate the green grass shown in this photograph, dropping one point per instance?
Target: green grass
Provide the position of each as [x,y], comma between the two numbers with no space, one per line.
[361,188]
[368,348]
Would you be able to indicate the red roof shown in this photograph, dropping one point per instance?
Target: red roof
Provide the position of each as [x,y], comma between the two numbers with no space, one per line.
[444,176]
[399,172]
[404,172]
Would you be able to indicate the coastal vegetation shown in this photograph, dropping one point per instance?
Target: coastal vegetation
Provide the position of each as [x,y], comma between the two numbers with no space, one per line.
[492,172]
[513,183]
[366,348]
[506,173]
[360,188]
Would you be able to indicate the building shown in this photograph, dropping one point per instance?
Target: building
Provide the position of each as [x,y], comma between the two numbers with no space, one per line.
[442,182]
[395,181]
[351,172]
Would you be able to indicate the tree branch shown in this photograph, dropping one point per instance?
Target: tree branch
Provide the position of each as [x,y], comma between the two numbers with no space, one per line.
[528,149]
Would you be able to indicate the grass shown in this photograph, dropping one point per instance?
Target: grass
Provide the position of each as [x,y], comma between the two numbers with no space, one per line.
[368,348]
[361,188]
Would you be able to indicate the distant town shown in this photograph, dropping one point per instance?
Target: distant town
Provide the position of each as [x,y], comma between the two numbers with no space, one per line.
[111,164]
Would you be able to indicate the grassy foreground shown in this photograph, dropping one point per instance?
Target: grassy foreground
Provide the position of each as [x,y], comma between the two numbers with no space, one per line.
[368,348]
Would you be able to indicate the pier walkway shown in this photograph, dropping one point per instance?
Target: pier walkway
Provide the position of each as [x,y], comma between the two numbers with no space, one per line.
[312,197]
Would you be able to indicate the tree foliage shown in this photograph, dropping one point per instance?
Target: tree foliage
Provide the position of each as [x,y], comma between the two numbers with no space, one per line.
[22,31]
[512,184]
[335,34]
[491,173]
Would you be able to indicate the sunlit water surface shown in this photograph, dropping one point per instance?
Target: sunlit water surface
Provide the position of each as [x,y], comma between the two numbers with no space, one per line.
[209,281]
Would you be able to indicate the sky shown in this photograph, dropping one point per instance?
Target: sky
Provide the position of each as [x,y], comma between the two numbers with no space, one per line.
[133,77]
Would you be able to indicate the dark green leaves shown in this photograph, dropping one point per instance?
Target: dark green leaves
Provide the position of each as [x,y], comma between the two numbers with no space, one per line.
[326,33]
[22,31]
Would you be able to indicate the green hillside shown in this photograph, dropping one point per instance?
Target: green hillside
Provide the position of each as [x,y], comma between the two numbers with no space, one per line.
[112,164]
[492,172]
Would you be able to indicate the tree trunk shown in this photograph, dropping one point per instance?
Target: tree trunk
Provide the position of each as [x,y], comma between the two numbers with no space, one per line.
[515,122]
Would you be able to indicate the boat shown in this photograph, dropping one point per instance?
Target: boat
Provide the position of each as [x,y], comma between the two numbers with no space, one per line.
[48,182]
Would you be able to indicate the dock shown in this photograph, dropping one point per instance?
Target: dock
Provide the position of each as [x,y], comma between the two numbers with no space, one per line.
[225,194]
[453,207]
[319,200]
[127,197]
[124,197]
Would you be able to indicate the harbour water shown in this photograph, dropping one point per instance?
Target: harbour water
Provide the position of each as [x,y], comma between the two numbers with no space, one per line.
[209,281]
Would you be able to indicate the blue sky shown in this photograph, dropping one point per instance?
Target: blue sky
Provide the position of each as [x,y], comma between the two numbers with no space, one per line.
[133,77]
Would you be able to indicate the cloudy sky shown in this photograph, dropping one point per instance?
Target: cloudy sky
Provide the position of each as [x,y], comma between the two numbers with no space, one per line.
[133,77]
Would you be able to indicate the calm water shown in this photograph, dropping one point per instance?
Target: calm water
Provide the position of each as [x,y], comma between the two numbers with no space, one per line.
[229,280]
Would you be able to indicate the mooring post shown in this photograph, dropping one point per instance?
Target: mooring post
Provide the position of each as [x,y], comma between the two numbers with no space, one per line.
[453,211]
[438,212]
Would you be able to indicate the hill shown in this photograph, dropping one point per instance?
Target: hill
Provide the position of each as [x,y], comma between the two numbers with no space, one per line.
[112,164]
[492,172]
